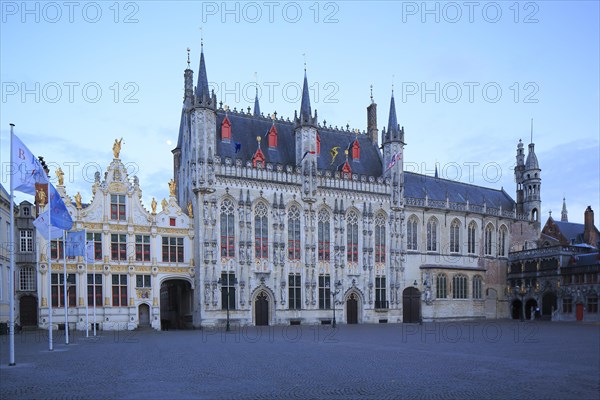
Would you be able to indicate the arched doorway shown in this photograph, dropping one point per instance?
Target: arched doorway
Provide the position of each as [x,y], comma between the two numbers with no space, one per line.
[176,304]
[261,309]
[28,310]
[411,305]
[144,315]
[516,309]
[548,304]
[352,309]
[579,311]
[530,307]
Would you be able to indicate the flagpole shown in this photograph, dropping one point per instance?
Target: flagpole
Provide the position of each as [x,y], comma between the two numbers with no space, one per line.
[11,278]
[65,287]
[94,285]
[87,309]
[49,260]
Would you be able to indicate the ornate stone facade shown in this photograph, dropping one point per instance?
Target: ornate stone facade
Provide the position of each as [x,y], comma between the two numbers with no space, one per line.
[141,269]
[314,220]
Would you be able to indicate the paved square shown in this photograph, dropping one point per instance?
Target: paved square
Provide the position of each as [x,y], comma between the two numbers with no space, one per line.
[479,359]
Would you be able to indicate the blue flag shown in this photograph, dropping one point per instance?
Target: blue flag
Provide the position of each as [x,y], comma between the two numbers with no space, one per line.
[60,216]
[27,169]
[75,244]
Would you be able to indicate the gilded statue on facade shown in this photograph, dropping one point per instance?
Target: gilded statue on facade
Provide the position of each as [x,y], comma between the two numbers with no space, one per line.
[153,205]
[78,200]
[60,175]
[117,147]
[190,209]
[164,204]
[172,187]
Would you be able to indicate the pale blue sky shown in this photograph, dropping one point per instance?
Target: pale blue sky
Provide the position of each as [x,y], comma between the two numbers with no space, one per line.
[546,65]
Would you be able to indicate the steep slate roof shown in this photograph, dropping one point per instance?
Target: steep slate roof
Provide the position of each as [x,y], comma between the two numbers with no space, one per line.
[571,231]
[245,128]
[417,186]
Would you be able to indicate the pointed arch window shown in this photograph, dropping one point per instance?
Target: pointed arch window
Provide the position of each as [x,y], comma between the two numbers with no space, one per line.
[226,130]
[272,137]
[432,235]
[455,236]
[380,238]
[471,238]
[352,237]
[411,234]
[459,287]
[227,229]
[261,231]
[356,150]
[441,286]
[503,233]
[489,231]
[477,287]
[294,233]
[324,236]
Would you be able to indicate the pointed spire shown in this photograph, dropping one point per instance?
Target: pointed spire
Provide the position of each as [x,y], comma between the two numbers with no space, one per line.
[202,85]
[436,172]
[393,128]
[305,112]
[256,105]
[564,215]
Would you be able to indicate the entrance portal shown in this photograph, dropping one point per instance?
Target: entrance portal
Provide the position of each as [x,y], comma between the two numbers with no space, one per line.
[352,309]
[579,311]
[175,304]
[516,309]
[144,315]
[548,304]
[28,310]
[530,307]
[411,305]
[261,309]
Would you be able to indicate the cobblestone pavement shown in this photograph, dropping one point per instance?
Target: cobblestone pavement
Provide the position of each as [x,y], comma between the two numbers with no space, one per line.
[450,360]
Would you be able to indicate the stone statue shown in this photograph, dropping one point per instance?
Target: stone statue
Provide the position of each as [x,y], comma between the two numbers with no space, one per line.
[164,204]
[78,200]
[172,187]
[117,147]
[61,176]
[153,205]
[41,197]
[190,209]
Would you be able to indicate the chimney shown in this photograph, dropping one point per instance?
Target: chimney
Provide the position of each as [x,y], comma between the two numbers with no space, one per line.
[590,235]
[372,121]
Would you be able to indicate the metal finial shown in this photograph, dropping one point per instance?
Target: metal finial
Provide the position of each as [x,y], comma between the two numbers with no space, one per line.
[201,38]
[304,55]
[188,55]
[371,93]
[393,76]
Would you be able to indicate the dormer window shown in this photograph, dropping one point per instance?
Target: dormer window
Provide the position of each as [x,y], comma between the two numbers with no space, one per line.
[258,161]
[356,150]
[26,211]
[272,137]
[226,130]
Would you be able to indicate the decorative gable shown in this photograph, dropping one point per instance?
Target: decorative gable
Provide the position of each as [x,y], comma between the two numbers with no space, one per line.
[258,160]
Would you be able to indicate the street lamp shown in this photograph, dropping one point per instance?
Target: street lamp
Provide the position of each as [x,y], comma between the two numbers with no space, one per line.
[334,293]
[228,283]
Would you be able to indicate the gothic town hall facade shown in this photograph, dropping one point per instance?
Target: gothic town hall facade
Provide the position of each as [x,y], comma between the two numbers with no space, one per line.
[295,220]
